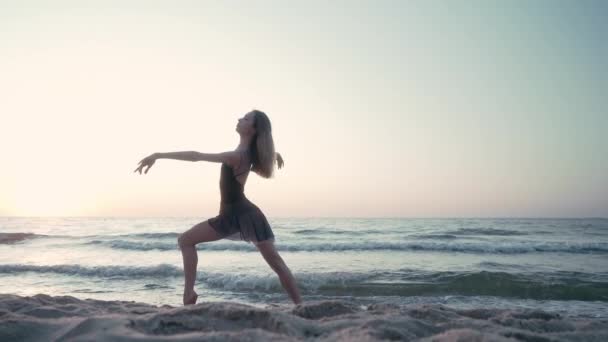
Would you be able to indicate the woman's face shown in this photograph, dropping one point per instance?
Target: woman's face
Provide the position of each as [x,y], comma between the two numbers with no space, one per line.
[245,124]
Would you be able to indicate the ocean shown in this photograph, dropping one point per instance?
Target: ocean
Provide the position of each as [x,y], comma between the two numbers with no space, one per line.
[557,265]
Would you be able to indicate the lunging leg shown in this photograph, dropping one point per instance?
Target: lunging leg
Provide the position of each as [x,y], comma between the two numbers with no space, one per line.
[201,232]
[277,264]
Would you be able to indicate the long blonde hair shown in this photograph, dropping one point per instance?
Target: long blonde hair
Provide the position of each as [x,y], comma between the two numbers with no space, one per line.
[262,146]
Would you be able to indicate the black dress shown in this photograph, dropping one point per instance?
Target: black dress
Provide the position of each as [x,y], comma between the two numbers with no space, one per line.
[239,218]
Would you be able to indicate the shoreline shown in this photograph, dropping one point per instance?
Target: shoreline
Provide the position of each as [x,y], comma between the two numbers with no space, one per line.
[44,317]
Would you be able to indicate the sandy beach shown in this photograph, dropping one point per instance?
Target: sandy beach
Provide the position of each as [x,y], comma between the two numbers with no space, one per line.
[66,318]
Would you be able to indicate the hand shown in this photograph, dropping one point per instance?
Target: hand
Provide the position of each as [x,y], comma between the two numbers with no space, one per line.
[279,160]
[148,161]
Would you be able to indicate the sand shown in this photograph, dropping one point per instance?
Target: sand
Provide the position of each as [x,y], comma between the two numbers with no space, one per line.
[65,318]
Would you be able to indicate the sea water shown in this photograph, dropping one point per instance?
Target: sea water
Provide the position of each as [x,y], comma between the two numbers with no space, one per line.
[558,265]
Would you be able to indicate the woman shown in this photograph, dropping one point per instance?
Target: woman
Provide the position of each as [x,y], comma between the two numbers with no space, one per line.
[239,218]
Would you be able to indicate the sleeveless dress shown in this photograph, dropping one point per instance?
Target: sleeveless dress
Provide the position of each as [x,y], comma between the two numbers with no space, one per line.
[239,219]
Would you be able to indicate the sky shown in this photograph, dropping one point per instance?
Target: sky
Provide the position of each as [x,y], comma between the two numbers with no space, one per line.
[379,108]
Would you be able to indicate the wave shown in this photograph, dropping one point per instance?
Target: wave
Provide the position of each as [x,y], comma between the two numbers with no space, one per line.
[464,232]
[488,231]
[137,245]
[144,235]
[162,270]
[336,231]
[376,283]
[436,236]
[492,247]
[482,283]
[9,238]
[15,237]
[478,283]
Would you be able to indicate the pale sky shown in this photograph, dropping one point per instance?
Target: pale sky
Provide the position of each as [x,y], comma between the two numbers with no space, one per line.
[379,108]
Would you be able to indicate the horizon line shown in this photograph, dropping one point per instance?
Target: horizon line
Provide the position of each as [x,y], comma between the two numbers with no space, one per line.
[336,217]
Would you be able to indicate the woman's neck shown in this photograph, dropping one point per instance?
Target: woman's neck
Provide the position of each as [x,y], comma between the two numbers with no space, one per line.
[244,144]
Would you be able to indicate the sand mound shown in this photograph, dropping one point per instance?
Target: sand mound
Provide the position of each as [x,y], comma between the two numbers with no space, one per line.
[65,318]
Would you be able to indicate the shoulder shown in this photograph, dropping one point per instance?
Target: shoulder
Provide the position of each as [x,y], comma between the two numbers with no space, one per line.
[232,158]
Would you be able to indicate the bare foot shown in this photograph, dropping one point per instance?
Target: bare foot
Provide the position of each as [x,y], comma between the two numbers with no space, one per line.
[190,297]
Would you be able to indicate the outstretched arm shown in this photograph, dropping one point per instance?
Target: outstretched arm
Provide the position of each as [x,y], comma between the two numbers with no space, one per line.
[181,155]
[223,157]
[229,157]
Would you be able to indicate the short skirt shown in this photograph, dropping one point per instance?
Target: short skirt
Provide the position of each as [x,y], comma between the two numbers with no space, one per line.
[241,221]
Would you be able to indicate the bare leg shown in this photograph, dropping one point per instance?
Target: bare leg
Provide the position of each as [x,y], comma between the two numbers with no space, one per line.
[289,283]
[277,264]
[190,262]
[201,232]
